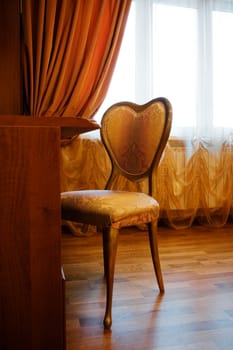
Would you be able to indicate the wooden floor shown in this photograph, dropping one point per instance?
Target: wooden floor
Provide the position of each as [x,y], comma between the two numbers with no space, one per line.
[195,313]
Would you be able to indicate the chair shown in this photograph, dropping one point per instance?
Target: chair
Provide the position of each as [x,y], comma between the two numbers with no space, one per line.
[135,137]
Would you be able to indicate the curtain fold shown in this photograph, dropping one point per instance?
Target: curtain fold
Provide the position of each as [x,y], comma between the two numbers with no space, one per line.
[198,187]
[70,48]
[191,185]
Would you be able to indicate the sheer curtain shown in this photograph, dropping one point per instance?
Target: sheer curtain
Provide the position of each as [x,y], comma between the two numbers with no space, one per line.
[182,49]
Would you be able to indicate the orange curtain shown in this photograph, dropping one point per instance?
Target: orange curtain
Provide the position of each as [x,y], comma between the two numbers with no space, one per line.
[70,48]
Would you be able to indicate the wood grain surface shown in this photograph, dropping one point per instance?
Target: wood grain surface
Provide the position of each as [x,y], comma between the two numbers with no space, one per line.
[31,300]
[196,311]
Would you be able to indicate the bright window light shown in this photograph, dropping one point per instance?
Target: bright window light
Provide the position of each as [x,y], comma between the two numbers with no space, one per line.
[223,68]
[175,60]
[182,50]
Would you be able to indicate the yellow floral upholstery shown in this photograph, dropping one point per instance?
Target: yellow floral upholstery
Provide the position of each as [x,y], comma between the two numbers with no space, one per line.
[134,150]
[134,137]
[115,208]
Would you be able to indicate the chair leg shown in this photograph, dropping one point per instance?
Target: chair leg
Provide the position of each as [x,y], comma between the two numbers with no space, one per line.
[105,249]
[152,228]
[110,242]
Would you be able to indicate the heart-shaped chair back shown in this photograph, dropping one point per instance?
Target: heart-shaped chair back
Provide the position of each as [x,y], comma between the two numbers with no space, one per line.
[135,136]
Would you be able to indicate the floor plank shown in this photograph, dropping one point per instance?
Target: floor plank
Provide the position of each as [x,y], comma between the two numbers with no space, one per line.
[196,311]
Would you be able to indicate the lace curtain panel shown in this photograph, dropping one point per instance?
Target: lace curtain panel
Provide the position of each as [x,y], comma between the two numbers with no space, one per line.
[199,186]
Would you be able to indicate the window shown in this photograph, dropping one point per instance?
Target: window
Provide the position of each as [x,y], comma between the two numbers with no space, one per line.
[222,69]
[182,50]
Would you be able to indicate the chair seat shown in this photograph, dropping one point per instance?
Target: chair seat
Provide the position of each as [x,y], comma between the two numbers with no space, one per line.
[105,207]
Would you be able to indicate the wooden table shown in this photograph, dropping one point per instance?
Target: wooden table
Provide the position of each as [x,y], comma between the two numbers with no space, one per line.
[32,315]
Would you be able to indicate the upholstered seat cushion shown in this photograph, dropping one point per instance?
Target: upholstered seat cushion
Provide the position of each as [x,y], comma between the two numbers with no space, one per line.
[105,207]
